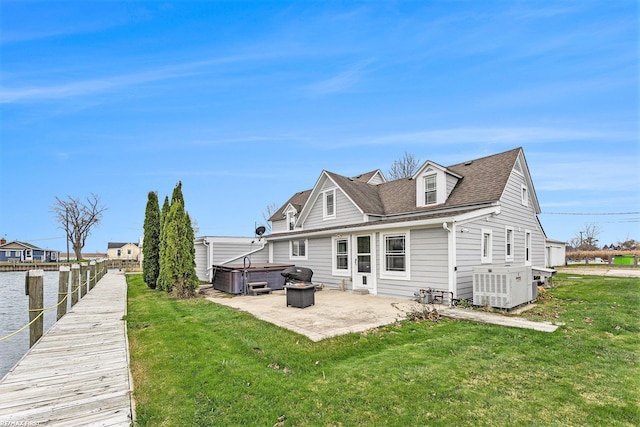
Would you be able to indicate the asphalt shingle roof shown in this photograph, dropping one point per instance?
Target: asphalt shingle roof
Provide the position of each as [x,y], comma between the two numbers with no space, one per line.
[483,181]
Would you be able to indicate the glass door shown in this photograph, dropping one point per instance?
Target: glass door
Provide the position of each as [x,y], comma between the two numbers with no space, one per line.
[363,277]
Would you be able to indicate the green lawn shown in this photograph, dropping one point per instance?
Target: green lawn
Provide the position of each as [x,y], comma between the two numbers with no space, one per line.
[196,363]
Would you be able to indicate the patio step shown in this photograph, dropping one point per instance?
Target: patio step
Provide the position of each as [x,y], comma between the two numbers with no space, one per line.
[258,288]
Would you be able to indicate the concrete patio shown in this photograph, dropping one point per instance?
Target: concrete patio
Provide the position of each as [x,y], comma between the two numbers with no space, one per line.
[338,312]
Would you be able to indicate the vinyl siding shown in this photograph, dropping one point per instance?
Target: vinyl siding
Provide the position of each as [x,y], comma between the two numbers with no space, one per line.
[428,252]
[318,259]
[223,251]
[279,226]
[346,213]
[377,179]
[513,214]
[451,183]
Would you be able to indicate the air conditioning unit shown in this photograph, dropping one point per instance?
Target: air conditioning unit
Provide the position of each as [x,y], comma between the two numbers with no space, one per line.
[503,286]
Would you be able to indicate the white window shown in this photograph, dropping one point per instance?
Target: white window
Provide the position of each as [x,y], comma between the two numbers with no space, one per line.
[341,255]
[527,247]
[291,220]
[298,249]
[524,195]
[508,243]
[430,190]
[395,255]
[486,246]
[329,202]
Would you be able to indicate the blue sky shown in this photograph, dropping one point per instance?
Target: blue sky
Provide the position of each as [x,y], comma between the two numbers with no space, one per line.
[247,102]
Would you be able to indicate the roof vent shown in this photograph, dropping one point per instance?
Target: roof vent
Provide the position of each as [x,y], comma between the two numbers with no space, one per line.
[468,163]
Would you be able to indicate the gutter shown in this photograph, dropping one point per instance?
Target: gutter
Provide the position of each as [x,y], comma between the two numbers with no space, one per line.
[373,226]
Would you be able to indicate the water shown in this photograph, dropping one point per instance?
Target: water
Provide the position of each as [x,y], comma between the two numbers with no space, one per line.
[14,314]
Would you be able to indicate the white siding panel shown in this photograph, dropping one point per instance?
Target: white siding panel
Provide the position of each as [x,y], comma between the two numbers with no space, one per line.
[223,249]
[279,226]
[428,253]
[201,262]
[513,214]
[346,213]
[318,259]
[451,183]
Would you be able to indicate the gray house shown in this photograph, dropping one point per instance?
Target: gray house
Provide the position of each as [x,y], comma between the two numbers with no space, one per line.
[431,230]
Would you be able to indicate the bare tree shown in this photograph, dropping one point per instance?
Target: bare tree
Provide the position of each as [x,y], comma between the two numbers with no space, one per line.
[404,167]
[587,238]
[77,218]
[269,210]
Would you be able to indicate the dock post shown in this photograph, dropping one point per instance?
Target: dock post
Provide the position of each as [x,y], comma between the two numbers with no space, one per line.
[75,283]
[84,267]
[34,288]
[92,275]
[63,291]
[101,268]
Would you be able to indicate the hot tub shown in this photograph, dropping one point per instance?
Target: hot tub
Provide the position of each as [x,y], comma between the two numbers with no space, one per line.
[229,278]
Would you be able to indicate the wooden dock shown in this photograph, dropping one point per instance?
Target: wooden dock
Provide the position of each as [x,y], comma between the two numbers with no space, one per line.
[77,374]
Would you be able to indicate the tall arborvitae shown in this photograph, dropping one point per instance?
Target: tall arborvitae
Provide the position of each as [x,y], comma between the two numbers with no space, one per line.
[190,252]
[177,263]
[163,274]
[177,194]
[151,242]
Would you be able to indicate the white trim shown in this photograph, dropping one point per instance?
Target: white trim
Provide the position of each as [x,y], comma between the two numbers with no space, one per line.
[306,250]
[399,275]
[290,219]
[528,246]
[325,194]
[408,223]
[488,259]
[509,257]
[372,287]
[315,193]
[524,195]
[334,254]
[451,257]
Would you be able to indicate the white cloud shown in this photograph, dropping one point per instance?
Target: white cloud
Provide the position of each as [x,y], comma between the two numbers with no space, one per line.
[491,135]
[110,83]
[341,82]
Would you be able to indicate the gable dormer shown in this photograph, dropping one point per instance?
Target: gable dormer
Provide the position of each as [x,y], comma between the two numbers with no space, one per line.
[433,184]
[291,215]
[373,178]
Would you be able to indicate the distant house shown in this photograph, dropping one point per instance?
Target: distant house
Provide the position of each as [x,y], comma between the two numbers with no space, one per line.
[123,251]
[430,230]
[25,252]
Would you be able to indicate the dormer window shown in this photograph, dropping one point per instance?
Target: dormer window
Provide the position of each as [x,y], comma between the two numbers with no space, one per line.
[291,220]
[432,184]
[291,216]
[430,190]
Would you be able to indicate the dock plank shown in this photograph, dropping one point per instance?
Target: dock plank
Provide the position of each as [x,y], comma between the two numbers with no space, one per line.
[78,373]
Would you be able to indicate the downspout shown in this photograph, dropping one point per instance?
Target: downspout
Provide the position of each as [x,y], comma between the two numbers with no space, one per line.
[206,244]
[451,258]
